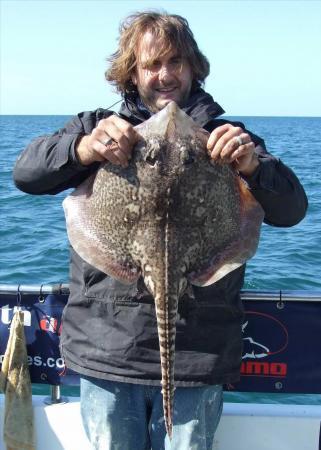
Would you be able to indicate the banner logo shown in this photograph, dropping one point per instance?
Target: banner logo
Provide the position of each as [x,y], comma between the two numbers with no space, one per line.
[268,337]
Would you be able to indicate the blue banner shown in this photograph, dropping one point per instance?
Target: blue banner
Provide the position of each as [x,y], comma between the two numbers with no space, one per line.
[281,351]
[281,347]
[42,320]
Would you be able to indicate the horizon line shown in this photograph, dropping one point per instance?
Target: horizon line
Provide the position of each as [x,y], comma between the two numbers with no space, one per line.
[225,115]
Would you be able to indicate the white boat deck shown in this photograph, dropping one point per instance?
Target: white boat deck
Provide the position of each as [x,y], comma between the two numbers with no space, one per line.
[243,426]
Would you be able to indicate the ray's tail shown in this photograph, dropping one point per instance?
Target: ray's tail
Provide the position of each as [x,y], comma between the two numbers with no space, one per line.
[166,312]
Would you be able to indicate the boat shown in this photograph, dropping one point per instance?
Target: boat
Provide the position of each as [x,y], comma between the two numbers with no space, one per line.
[281,355]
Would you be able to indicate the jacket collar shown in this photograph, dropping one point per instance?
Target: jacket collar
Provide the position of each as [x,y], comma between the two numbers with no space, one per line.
[201,107]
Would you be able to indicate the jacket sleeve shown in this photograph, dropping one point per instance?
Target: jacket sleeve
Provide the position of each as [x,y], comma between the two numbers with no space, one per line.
[278,190]
[49,165]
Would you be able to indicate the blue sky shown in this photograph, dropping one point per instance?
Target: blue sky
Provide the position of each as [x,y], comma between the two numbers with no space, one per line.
[265,55]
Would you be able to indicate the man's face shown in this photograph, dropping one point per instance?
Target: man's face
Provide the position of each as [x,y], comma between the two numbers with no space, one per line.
[161,80]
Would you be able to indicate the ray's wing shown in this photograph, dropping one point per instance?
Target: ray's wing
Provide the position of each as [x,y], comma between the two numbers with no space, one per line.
[99,214]
[242,244]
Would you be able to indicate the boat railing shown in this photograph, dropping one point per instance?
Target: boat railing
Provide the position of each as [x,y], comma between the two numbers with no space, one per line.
[281,330]
[247,295]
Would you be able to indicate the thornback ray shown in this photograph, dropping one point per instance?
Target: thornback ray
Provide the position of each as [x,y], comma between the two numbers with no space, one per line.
[173,216]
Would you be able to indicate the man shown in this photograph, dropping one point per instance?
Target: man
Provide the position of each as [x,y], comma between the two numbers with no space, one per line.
[109,330]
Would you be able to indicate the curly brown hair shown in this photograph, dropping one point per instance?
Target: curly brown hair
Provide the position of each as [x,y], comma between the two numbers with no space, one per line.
[172,30]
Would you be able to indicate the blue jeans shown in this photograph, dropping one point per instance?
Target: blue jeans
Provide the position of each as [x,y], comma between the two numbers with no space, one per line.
[124,416]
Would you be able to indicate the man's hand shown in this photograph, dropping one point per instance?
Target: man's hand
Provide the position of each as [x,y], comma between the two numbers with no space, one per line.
[231,145]
[113,140]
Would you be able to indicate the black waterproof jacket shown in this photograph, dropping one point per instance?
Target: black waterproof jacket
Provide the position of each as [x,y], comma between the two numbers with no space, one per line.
[109,329]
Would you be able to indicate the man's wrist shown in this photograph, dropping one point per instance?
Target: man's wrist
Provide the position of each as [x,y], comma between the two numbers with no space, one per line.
[251,168]
[81,151]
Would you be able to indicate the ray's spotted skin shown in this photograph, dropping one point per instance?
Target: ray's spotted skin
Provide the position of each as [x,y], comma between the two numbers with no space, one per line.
[173,216]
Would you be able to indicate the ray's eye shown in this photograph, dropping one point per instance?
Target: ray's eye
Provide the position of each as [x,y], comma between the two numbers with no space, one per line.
[153,153]
[151,160]
[187,157]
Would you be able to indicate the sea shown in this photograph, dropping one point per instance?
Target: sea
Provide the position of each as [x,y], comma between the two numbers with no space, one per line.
[34,246]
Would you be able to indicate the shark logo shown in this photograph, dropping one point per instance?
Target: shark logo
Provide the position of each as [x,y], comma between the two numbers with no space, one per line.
[251,348]
[264,336]
[257,330]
